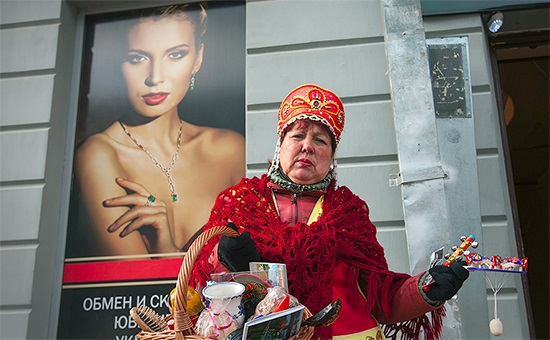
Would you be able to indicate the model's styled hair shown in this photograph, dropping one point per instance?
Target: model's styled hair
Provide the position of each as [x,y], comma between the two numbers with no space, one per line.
[195,13]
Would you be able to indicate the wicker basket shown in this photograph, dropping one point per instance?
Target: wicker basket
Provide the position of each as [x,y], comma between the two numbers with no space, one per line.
[183,327]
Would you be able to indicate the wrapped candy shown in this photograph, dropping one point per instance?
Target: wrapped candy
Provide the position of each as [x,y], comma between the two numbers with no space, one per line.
[275,300]
[215,322]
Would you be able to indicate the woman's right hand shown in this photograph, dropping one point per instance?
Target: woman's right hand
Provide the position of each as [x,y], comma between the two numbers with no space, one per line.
[235,253]
[148,218]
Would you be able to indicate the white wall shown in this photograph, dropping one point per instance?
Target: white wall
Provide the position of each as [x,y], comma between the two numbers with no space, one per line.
[32,162]
[338,45]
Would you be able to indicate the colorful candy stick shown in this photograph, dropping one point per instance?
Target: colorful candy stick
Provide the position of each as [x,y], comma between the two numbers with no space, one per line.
[452,258]
[460,250]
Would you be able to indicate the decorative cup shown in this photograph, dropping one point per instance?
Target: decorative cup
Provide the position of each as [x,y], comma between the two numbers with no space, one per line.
[226,296]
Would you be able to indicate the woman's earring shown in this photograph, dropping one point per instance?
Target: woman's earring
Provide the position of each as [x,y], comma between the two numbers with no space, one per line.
[192,84]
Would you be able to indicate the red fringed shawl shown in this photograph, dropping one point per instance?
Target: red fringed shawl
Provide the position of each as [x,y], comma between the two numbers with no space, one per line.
[344,233]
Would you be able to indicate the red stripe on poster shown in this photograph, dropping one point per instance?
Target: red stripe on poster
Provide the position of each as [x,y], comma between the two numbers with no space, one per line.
[128,270]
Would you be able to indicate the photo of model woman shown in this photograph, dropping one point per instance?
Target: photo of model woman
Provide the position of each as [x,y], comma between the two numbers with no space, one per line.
[147,182]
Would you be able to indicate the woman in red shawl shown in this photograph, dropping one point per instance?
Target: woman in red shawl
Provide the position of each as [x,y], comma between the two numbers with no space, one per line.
[297,215]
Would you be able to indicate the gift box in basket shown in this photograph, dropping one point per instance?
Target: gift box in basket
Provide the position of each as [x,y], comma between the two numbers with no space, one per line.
[276,313]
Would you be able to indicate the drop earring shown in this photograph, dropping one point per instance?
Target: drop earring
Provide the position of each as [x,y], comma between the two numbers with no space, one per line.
[192,84]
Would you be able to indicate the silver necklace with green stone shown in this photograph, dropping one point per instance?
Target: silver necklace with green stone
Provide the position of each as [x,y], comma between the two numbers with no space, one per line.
[165,170]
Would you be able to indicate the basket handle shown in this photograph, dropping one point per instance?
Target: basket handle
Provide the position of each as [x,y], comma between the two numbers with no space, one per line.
[182,321]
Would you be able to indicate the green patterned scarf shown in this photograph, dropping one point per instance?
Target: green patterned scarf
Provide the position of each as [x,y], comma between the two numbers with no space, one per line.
[280,178]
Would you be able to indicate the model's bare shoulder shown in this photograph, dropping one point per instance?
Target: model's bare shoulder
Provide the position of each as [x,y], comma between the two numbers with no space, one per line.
[223,141]
[97,154]
[232,140]
[98,145]
[223,146]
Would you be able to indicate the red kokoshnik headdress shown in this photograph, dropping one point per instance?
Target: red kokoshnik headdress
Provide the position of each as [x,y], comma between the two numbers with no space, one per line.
[313,102]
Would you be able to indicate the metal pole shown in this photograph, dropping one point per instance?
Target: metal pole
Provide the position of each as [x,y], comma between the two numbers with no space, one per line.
[437,157]
[421,174]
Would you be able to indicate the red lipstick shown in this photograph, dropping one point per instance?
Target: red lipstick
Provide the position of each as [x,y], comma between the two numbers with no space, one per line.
[155,98]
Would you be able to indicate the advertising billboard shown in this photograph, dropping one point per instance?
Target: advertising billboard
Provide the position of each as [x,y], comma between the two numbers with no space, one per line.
[160,132]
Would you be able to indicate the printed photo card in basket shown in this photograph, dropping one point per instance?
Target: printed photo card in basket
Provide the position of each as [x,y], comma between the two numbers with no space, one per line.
[280,325]
[275,273]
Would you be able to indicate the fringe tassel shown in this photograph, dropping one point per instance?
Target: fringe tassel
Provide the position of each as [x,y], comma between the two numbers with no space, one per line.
[378,298]
[410,330]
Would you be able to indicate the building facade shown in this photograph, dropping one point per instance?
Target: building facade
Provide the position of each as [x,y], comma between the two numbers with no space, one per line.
[342,45]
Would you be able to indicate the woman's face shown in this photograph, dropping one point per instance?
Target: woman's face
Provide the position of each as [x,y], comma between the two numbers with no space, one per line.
[160,61]
[306,152]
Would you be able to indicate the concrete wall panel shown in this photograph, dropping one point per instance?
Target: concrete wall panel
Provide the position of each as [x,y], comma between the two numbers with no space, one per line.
[278,23]
[23,154]
[447,25]
[16,281]
[487,133]
[350,71]
[36,48]
[370,181]
[13,324]
[26,100]
[490,186]
[394,241]
[480,74]
[369,131]
[16,11]
[261,135]
[20,208]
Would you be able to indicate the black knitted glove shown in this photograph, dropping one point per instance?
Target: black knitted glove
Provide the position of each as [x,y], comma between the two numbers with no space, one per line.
[447,281]
[237,252]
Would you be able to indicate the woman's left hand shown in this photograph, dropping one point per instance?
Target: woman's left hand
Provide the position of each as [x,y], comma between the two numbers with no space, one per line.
[447,281]
[147,215]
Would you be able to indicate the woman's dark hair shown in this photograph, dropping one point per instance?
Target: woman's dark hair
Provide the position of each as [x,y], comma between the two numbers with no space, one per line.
[305,123]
